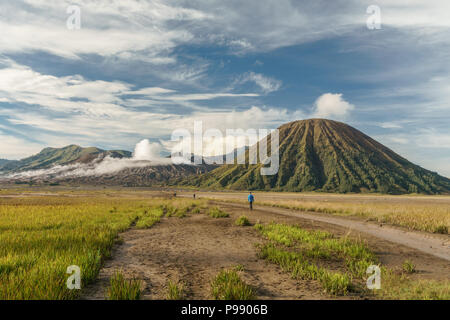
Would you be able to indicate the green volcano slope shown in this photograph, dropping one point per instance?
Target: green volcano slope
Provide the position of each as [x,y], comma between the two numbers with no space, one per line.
[328,156]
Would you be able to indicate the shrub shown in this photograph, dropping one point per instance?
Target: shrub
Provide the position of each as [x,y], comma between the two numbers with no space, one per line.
[408,267]
[242,221]
[217,213]
[175,291]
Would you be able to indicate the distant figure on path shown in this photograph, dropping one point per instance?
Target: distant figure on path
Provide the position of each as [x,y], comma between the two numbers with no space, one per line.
[194,196]
[251,198]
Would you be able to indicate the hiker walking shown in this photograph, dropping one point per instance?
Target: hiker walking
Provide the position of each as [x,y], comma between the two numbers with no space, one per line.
[251,198]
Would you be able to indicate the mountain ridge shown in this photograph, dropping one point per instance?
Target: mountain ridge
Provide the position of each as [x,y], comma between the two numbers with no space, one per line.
[49,157]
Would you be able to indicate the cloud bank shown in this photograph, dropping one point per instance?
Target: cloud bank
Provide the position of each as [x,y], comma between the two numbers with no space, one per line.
[332,106]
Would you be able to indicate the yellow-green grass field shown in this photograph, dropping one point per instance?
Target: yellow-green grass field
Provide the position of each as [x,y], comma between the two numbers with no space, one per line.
[415,212]
[424,217]
[422,213]
[41,236]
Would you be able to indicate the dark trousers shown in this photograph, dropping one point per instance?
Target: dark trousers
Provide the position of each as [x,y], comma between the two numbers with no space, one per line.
[251,205]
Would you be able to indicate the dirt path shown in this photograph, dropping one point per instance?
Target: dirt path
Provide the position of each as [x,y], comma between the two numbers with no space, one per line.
[436,245]
[194,249]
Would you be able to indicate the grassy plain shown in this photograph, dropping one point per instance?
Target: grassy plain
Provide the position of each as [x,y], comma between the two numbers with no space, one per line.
[42,235]
[424,217]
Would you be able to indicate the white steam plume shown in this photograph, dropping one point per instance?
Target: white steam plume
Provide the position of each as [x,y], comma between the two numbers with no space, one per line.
[145,150]
[145,154]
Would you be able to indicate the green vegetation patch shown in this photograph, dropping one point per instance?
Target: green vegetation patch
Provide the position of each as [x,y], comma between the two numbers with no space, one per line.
[408,267]
[228,285]
[322,245]
[124,289]
[149,218]
[242,221]
[296,263]
[217,213]
[300,251]
[305,254]
[175,290]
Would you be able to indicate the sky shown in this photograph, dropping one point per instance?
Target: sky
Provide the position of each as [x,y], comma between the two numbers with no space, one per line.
[138,70]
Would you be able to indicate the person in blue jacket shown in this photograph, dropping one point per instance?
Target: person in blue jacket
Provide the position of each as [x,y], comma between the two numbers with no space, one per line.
[251,198]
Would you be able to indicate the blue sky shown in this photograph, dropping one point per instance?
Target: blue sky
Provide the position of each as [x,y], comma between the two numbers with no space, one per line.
[141,69]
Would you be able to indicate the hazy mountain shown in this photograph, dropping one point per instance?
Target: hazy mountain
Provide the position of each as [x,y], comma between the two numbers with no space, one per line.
[325,155]
[50,157]
[94,166]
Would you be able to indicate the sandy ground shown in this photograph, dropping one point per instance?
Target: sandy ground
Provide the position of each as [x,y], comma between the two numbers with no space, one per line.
[194,249]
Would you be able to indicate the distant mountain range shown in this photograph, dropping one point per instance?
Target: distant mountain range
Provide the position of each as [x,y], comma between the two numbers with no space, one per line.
[69,164]
[315,155]
[50,157]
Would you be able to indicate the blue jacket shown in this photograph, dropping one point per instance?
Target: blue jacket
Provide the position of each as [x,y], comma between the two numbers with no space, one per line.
[251,198]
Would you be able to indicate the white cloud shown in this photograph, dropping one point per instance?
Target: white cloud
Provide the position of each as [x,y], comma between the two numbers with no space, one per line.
[333,106]
[415,13]
[91,112]
[97,130]
[424,147]
[131,30]
[266,84]
[150,30]
[431,138]
[399,140]
[390,125]
[145,150]
[254,118]
[206,96]
[21,84]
